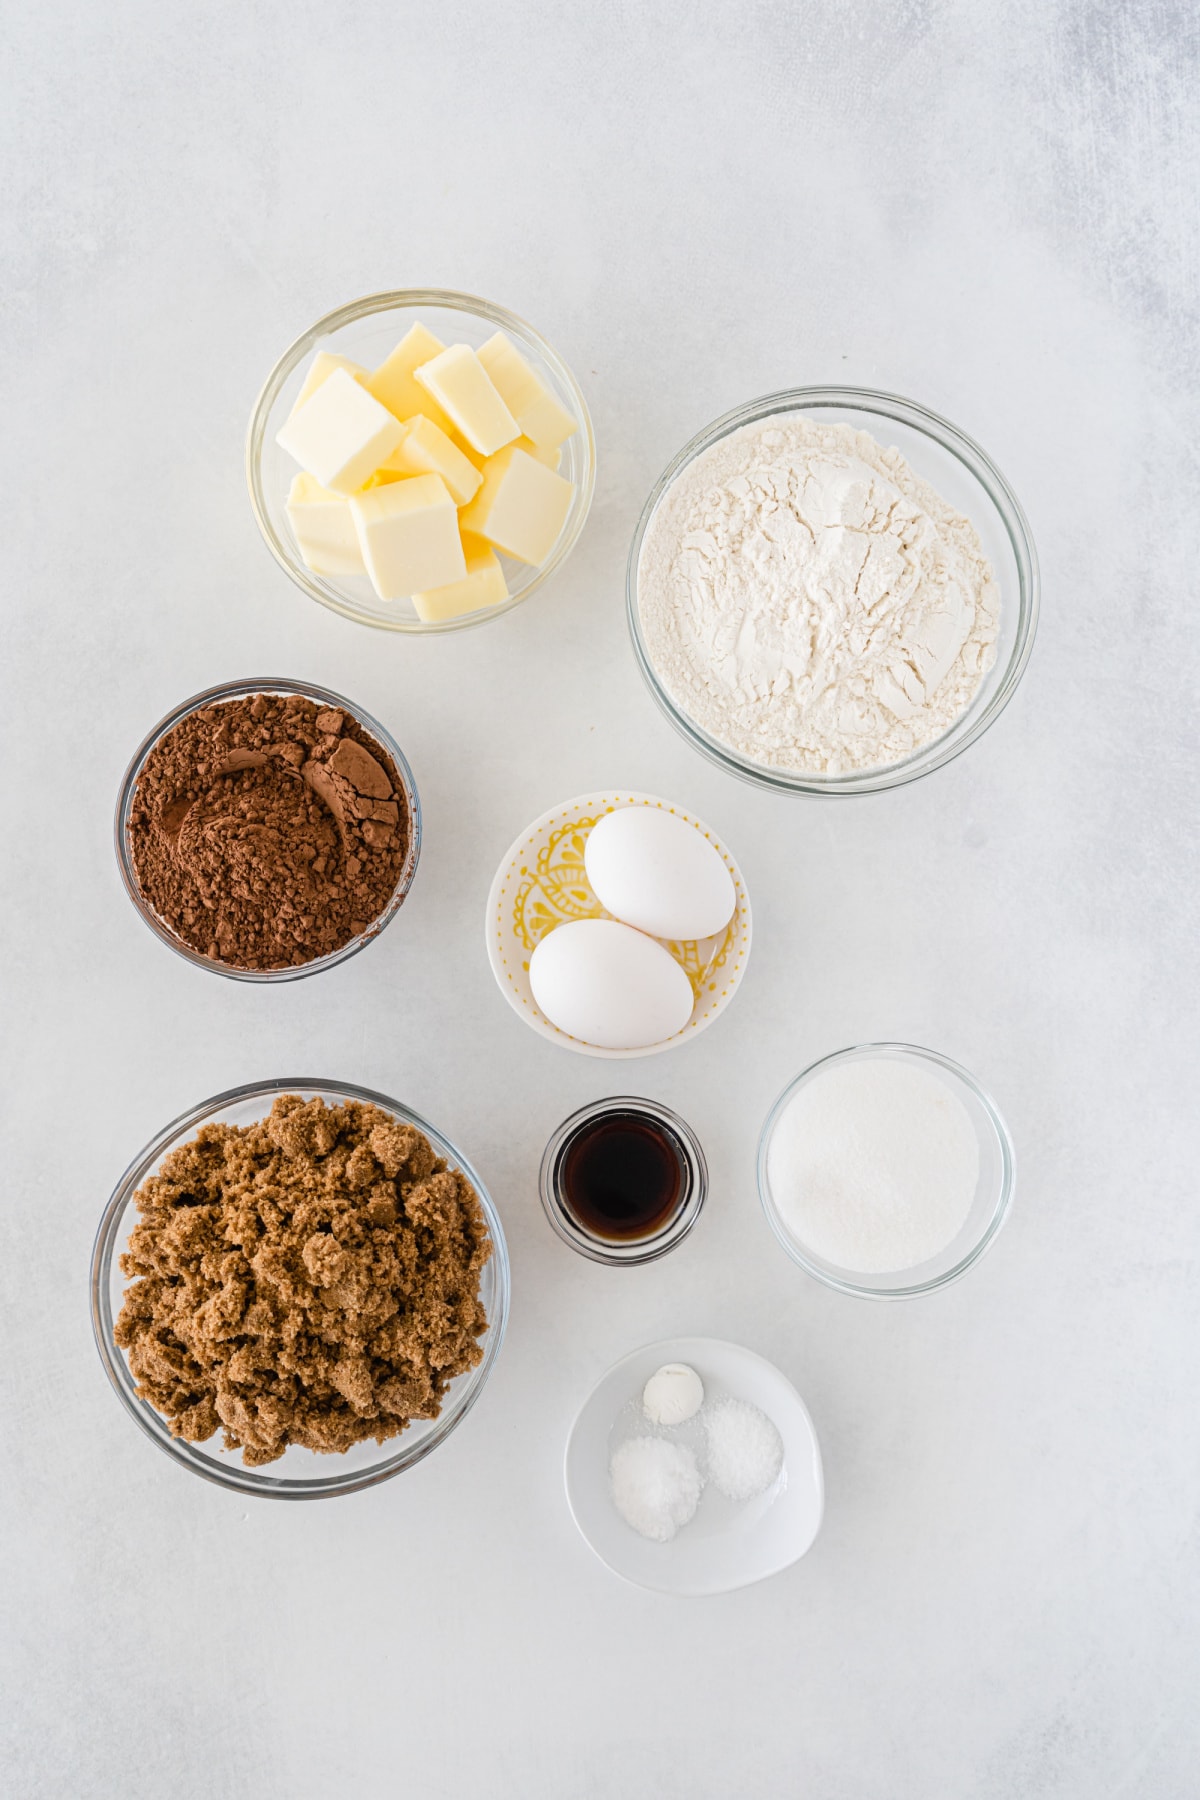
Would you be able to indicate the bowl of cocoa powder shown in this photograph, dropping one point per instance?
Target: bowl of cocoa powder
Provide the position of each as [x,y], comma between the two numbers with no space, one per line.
[268,829]
[299,1289]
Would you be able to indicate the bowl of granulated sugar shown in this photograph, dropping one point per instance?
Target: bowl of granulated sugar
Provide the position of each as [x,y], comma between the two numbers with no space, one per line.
[885,1170]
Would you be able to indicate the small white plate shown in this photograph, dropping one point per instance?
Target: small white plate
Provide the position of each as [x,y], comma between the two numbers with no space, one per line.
[727,1545]
[541,883]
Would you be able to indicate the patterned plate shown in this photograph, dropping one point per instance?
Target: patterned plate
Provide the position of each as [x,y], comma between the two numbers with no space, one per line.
[541,883]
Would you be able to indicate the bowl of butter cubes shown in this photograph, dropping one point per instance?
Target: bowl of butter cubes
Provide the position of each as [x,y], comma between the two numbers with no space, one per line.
[420,460]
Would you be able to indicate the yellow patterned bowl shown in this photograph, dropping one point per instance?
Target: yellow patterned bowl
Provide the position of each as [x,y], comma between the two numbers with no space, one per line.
[541,883]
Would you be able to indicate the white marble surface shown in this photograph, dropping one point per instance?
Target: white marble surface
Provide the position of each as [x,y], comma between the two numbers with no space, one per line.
[989,207]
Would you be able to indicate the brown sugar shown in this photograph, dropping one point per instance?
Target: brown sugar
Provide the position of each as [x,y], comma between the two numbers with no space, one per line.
[268,831]
[309,1279]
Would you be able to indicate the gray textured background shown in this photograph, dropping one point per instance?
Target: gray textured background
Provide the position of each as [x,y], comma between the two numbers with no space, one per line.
[990,207]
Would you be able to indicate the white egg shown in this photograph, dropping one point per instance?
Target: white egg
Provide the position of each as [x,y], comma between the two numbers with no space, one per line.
[654,870]
[609,985]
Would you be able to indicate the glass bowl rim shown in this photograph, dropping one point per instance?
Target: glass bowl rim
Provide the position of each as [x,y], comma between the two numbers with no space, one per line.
[230,690]
[865,1289]
[396,300]
[643,1250]
[1009,511]
[237,1478]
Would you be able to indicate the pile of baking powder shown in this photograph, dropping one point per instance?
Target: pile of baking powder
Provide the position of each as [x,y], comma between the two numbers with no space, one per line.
[813,604]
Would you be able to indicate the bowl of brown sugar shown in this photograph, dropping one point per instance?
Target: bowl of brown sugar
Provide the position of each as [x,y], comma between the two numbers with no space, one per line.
[268,829]
[299,1289]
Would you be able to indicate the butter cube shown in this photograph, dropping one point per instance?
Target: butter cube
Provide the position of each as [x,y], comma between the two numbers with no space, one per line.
[323,364]
[521,506]
[539,414]
[392,382]
[426,450]
[549,454]
[341,434]
[408,532]
[324,528]
[463,388]
[483,585]
[393,385]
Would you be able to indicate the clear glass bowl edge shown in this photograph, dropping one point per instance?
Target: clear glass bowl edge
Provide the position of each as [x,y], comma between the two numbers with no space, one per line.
[237,1478]
[349,314]
[645,1250]
[1016,525]
[231,690]
[865,1290]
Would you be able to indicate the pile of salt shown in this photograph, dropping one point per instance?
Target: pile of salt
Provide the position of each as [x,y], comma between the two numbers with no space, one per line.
[745,1452]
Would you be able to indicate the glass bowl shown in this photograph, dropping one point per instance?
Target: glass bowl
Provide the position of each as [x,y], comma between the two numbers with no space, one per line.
[617,1252]
[299,1474]
[965,476]
[989,1209]
[233,690]
[367,330]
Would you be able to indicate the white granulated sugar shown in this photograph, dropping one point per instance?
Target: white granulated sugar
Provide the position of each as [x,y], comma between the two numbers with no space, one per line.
[656,1485]
[813,604]
[745,1451]
[874,1165]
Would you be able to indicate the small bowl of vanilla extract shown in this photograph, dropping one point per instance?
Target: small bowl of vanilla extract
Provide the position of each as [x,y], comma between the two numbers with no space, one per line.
[623,1180]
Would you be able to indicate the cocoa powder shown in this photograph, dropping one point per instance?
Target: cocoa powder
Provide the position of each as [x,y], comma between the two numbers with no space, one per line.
[309,1279]
[268,831]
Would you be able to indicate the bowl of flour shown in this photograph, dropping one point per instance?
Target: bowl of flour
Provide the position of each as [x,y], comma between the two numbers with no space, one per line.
[832,591]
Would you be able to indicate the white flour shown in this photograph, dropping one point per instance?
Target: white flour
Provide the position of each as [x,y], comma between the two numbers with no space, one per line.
[811,603]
